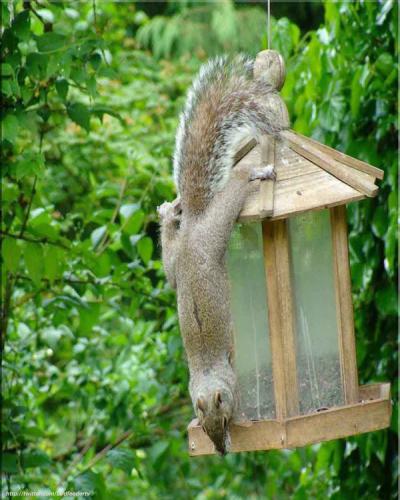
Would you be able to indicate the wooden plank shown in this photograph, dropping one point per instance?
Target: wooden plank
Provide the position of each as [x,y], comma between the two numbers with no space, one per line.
[244,149]
[362,166]
[281,318]
[276,343]
[289,164]
[293,196]
[338,423]
[256,435]
[373,391]
[299,431]
[354,178]
[266,193]
[344,304]
[307,145]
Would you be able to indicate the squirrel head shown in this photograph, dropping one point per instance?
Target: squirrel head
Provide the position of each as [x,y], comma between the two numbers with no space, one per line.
[214,410]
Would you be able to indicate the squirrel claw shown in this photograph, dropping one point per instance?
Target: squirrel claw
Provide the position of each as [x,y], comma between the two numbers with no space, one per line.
[263,173]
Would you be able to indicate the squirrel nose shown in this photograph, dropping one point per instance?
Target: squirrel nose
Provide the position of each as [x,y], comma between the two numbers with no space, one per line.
[221,451]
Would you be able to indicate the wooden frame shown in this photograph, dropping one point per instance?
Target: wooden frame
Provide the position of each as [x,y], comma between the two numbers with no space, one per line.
[344,305]
[281,320]
[365,408]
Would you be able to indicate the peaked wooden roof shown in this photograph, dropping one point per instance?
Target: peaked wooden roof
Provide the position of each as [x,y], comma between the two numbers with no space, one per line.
[309,176]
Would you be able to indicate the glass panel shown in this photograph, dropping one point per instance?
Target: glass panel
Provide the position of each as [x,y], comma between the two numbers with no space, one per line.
[318,362]
[250,316]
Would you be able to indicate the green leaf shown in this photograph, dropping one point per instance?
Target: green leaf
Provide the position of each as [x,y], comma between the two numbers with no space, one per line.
[51,335]
[6,70]
[33,254]
[79,113]
[62,88]
[91,85]
[9,128]
[134,223]
[95,61]
[22,25]
[11,253]
[9,463]
[384,64]
[29,164]
[386,300]
[356,92]
[158,450]
[100,110]
[97,235]
[122,458]
[46,14]
[36,458]
[128,209]
[50,42]
[5,14]
[380,222]
[88,317]
[36,65]
[145,248]
[52,262]
[332,113]
[134,239]
[53,65]
[91,482]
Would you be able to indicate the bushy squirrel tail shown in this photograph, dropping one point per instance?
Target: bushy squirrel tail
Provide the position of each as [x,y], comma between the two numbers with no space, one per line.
[224,106]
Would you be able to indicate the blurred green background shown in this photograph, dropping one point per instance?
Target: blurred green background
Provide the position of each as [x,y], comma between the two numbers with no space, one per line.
[94,375]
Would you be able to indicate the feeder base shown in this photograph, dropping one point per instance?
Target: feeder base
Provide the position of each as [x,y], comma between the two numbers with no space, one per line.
[371,413]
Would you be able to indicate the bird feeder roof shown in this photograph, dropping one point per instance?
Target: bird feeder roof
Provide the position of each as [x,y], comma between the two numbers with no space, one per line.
[309,176]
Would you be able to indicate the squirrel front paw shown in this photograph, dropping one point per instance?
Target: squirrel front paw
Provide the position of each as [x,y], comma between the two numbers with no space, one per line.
[263,173]
[164,209]
[168,209]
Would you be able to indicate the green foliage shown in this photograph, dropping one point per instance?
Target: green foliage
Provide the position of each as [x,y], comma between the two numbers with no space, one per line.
[214,28]
[94,376]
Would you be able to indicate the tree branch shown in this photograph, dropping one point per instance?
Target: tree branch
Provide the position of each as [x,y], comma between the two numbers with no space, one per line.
[35,240]
[28,211]
[140,442]
[5,312]
[73,281]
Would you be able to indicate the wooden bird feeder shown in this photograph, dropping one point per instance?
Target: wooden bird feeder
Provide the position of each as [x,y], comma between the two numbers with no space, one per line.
[295,354]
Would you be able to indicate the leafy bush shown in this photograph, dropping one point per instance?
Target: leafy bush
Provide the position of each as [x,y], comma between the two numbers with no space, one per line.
[95,381]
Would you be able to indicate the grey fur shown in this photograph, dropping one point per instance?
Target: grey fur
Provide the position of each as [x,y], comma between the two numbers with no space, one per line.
[224,106]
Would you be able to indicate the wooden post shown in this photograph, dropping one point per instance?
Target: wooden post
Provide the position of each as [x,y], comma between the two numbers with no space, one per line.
[344,304]
[281,318]
[266,197]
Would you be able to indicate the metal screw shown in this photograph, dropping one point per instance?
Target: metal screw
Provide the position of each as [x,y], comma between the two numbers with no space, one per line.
[192,446]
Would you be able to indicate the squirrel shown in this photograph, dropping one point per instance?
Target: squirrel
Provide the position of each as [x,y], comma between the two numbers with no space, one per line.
[224,106]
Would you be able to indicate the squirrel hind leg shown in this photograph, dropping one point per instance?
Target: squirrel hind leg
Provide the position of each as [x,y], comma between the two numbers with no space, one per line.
[263,173]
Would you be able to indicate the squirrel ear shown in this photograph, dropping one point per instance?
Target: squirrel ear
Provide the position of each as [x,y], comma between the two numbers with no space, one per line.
[201,404]
[217,399]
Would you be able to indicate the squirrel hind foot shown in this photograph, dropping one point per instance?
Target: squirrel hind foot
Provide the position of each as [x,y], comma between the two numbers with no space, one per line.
[263,173]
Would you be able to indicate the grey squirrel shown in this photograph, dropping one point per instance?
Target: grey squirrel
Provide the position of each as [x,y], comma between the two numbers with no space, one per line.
[225,105]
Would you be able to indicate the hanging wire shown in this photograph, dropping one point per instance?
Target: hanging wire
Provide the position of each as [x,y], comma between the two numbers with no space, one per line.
[268,24]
